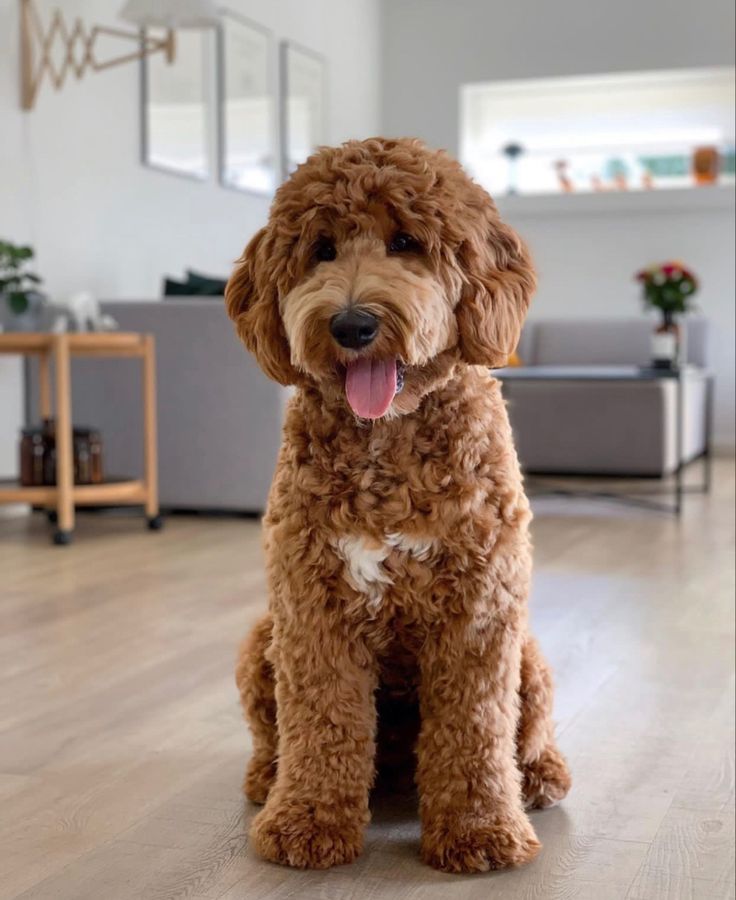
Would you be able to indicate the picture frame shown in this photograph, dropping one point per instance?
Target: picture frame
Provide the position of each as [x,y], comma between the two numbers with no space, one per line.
[176,107]
[246,105]
[303,104]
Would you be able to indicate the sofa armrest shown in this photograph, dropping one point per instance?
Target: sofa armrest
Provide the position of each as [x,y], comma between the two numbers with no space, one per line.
[605,427]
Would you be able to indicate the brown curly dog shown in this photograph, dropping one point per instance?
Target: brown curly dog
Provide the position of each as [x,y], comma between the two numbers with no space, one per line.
[384,287]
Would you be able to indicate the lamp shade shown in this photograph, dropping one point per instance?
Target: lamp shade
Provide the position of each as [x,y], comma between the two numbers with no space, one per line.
[170,13]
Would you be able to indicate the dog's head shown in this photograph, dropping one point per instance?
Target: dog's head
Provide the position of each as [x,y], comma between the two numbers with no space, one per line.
[382,267]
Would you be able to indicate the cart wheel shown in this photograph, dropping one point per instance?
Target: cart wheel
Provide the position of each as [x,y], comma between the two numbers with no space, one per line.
[155,523]
[52,516]
[62,538]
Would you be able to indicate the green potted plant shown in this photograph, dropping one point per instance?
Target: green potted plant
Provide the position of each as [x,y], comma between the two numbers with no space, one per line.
[21,301]
[669,288]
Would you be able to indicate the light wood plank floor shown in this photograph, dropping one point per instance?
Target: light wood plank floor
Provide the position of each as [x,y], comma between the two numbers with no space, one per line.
[122,749]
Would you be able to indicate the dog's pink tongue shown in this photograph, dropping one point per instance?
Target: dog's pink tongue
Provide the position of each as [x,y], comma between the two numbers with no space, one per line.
[370,385]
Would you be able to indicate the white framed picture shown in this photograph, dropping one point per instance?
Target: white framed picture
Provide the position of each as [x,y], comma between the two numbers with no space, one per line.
[176,109]
[303,104]
[246,107]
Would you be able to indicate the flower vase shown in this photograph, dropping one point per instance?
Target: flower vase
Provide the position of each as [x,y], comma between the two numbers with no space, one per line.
[666,343]
[28,320]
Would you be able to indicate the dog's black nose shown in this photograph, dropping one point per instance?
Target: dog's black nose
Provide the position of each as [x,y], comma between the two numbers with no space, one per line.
[354,328]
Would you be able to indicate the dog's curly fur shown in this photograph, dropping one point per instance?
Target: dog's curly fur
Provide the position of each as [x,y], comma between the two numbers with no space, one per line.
[397,550]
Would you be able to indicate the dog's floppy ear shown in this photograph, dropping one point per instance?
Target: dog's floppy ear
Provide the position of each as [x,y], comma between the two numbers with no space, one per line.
[498,286]
[252,303]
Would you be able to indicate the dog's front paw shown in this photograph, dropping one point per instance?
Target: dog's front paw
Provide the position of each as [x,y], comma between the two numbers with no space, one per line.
[259,776]
[306,837]
[545,781]
[475,844]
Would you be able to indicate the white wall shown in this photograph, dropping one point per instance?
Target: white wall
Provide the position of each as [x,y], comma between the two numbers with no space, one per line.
[97,217]
[71,183]
[431,47]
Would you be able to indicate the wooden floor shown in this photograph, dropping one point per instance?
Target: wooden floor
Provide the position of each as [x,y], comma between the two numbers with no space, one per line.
[122,749]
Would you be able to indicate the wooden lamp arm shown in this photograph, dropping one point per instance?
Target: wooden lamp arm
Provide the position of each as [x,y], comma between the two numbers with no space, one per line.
[37,46]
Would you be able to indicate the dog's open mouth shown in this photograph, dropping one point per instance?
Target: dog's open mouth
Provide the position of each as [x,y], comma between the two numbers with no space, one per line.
[372,384]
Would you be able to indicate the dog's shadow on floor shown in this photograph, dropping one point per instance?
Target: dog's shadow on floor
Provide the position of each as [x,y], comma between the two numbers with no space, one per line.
[393,807]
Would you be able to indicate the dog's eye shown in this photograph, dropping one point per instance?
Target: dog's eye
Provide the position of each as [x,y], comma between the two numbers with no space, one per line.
[324,250]
[403,243]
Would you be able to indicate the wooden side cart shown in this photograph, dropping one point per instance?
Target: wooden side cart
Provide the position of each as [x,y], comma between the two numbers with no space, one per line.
[57,349]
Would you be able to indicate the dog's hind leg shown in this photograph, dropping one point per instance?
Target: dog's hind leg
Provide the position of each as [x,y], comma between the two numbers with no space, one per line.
[545,776]
[255,680]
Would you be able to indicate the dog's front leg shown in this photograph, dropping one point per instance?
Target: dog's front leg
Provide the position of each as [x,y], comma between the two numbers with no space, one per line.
[318,807]
[470,791]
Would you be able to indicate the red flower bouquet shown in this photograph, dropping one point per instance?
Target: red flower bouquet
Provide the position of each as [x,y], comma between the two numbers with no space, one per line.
[668,287]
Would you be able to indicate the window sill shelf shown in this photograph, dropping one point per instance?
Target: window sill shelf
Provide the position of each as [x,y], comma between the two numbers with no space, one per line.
[665,200]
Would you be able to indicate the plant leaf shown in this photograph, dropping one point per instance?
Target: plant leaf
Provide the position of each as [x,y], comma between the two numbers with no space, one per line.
[18,302]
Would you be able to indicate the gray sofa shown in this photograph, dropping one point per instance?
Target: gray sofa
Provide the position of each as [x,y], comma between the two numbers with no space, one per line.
[219,417]
[604,426]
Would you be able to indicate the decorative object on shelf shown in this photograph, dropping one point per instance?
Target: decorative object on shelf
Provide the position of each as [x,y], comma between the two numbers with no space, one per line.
[76,45]
[618,173]
[21,305]
[246,106]
[80,312]
[303,86]
[566,184]
[31,457]
[512,152]
[706,165]
[668,287]
[38,455]
[671,166]
[728,162]
[596,185]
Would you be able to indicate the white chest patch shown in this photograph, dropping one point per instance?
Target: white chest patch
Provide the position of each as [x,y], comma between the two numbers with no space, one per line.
[364,558]
[418,547]
[363,562]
